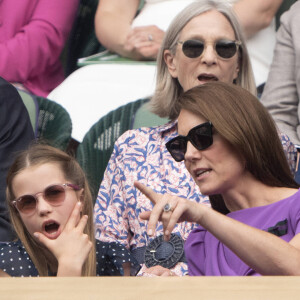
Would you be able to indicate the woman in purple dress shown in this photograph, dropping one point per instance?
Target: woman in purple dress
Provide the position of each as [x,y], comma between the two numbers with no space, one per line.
[225,137]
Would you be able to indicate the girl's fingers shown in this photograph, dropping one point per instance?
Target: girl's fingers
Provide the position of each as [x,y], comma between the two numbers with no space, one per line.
[74,217]
[82,223]
[42,239]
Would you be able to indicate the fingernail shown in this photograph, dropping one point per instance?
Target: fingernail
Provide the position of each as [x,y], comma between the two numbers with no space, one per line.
[36,234]
[150,232]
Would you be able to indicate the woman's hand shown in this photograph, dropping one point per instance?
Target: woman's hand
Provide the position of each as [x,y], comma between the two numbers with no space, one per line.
[72,247]
[159,271]
[144,42]
[180,210]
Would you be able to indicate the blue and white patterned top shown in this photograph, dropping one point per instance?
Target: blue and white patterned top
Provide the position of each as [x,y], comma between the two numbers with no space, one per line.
[141,155]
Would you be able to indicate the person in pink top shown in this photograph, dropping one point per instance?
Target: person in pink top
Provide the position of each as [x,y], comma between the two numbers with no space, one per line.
[32,36]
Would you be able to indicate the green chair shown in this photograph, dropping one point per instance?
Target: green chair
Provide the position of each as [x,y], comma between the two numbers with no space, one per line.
[97,146]
[32,107]
[54,124]
[145,118]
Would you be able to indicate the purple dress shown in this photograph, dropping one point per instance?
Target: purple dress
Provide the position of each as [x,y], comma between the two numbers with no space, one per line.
[207,256]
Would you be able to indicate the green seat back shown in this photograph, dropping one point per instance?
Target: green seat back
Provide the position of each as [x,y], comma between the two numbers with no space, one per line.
[145,118]
[54,124]
[97,145]
[31,105]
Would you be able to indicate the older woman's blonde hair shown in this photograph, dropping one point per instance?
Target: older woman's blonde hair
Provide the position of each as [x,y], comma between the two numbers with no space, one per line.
[37,155]
[168,89]
[240,118]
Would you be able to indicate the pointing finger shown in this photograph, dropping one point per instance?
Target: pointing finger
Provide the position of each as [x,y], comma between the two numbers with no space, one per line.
[148,192]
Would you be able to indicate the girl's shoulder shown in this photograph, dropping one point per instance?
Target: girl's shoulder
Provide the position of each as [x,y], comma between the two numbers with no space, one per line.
[15,261]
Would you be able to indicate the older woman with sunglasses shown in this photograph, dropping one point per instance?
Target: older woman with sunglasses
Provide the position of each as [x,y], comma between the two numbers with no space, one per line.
[224,143]
[204,43]
[50,207]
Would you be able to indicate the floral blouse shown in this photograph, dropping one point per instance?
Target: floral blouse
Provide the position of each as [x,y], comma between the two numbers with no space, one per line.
[141,155]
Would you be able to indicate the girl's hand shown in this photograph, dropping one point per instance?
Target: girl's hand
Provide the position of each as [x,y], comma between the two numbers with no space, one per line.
[72,247]
[180,210]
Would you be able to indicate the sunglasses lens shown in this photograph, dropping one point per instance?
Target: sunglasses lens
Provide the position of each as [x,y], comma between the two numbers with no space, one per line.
[201,136]
[226,49]
[192,48]
[55,194]
[177,148]
[26,204]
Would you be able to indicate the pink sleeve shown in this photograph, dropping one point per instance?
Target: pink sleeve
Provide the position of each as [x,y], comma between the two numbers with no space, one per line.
[39,42]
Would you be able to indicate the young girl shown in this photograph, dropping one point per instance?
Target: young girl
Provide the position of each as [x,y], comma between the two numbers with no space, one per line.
[51,210]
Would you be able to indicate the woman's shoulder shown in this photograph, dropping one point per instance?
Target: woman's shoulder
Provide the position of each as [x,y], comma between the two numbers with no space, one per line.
[15,261]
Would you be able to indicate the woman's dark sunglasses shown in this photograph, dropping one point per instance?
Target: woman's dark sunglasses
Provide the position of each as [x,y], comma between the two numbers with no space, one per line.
[200,136]
[53,194]
[225,49]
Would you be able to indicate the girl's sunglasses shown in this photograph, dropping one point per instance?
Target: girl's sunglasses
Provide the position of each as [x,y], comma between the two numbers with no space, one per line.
[53,194]
[200,137]
[225,49]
